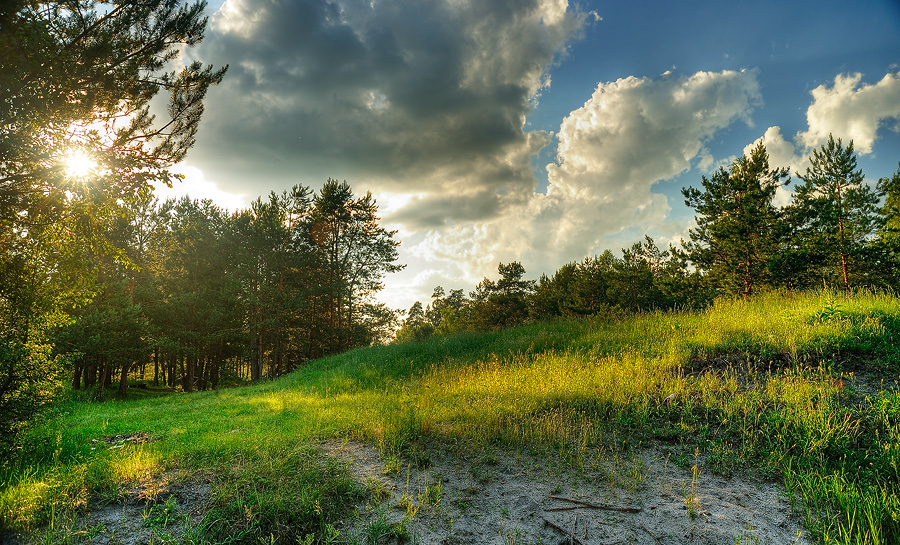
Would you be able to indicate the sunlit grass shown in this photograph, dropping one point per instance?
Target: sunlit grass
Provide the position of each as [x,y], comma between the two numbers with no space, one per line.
[762,387]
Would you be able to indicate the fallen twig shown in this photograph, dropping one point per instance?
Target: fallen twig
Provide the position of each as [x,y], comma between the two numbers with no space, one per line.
[595,506]
[656,539]
[563,531]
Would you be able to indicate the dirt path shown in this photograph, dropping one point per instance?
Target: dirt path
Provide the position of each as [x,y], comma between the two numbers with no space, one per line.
[506,500]
[496,499]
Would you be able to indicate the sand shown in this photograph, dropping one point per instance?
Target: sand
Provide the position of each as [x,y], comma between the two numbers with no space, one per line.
[507,499]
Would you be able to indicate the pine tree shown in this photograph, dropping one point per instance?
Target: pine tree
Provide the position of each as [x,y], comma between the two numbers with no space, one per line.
[355,253]
[888,242]
[833,213]
[504,303]
[889,228]
[736,233]
[416,326]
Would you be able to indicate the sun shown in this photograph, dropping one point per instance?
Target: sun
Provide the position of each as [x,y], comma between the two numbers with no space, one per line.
[78,164]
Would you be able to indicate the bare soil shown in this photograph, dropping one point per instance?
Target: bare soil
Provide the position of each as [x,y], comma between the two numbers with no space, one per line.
[495,499]
[507,499]
[158,509]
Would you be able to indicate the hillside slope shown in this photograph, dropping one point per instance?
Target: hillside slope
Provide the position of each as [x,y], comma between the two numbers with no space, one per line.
[796,388]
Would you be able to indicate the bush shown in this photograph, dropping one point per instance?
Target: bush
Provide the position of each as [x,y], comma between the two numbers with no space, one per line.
[29,379]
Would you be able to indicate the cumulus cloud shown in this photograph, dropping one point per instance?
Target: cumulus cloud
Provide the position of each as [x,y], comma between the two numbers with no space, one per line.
[397,95]
[846,109]
[195,185]
[781,152]
[630,134]
[851,111]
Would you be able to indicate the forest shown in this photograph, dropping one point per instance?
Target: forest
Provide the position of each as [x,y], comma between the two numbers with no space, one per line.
[204,374]
[837,233]
[100,282]
[208,295]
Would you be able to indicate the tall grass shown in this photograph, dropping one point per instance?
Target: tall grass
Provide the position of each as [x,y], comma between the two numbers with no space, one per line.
[768,386]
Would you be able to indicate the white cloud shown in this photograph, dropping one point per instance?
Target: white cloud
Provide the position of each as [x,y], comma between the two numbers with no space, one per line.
[468,252]
[230,18]
[629,135]
[781,152]
[847,110]
[411,286]
[851,111]
[196,186]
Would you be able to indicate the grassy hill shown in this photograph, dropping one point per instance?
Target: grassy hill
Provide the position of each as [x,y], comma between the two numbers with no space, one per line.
[800,388]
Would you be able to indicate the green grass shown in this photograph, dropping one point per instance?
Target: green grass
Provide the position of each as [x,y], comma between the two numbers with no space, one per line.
[765,386]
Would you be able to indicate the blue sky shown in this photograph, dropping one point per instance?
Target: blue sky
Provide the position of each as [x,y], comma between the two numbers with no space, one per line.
[795,46]
[536,130]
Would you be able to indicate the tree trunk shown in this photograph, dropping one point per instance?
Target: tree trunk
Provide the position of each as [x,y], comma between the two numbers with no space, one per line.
[102,386]
[156,366]
[182,371]
[214,374]
[123,380]
[844,270]
[173,370]
[202,371]
[256,358]
[190,368]
[90,375]
[309,329]
[277,357]
[842,244]
[76,379]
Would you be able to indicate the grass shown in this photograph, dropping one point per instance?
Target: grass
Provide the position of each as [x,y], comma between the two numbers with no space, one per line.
[691,501]
[770,386]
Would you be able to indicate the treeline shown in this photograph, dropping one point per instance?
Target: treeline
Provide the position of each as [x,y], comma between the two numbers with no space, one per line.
[836,233]
[196,295]
[81,147]
[644,278]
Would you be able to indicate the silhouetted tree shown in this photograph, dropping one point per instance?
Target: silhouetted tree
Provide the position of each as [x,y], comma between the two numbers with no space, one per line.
[445,313]
[354,253]
[503,303]
[416,326]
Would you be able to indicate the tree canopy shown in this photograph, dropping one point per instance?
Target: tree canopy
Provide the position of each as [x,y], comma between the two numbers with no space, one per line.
[736,233]
[76,83]
[79,142]
[832,214]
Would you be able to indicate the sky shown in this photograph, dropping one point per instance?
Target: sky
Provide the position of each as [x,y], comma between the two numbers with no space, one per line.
[539,131]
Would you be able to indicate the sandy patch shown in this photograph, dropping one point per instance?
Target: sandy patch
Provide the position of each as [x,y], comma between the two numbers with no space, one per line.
[522,499]
[159,509]
[495,499]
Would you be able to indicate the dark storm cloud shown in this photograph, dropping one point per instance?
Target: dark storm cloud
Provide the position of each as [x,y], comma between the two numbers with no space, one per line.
[406,95]
[431,211]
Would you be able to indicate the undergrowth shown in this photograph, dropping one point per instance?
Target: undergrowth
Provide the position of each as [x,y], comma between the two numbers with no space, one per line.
[799,387]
